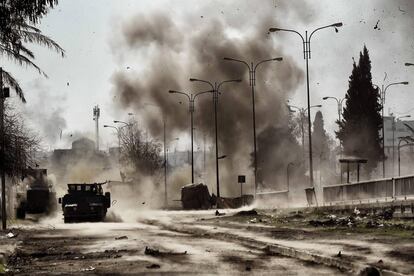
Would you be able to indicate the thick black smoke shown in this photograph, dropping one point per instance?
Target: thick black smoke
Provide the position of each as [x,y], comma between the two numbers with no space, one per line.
[195,46]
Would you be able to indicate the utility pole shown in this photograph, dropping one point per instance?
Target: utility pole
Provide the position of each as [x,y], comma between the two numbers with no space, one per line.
[165,168]
[4,93]
[307,55]
[96,115]
[252,82]
[215,90]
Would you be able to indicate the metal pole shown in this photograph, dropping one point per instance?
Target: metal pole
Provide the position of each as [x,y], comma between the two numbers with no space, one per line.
[302,116]
[165,168]
[252,84]
[3,165]
[309,114]
[287,176]
[399,160]
[215,97]
[340,143]
[192,138]
[383,133]
[393,146]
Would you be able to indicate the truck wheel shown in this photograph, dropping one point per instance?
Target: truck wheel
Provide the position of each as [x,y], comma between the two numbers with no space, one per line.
[21,210]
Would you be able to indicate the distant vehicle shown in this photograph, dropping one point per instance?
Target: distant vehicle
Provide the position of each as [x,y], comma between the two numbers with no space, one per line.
[38,196]
[85,202]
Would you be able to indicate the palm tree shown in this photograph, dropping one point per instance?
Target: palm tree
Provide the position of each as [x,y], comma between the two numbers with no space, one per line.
[15,33]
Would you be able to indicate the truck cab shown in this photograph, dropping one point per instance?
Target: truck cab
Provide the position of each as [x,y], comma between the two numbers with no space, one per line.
[85,202]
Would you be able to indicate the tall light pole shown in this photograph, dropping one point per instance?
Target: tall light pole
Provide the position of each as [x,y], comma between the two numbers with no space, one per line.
[166,169]
[252,82]
[287,174]
[119,137]
[191,99]
[215,89]
[409,142]
[302,112]
[165,150]
[307,55]
[3,95]
[383,90]
[96,115]
[339,101]
[393,139]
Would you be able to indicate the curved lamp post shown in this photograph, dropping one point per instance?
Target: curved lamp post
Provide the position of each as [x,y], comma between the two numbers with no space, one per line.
[215,89]
[252,82]
[409,142]
[383,91]
[302,112]
[393,139]
[191,99]
[307,55]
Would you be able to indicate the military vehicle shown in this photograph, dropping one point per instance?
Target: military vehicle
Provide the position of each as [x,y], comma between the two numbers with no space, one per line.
[85,202]
[37,195]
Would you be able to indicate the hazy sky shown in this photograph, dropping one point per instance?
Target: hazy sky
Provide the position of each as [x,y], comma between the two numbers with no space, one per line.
[88,31]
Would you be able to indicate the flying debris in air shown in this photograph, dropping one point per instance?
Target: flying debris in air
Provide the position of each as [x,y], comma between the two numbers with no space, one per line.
[67,84]
[401,10]
[376,26]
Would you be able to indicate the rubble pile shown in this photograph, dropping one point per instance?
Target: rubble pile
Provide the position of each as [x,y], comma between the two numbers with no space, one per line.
[359,218]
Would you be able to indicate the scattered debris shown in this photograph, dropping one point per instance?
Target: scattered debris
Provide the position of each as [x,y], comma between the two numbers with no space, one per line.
[251,212]
[219,214]
[10,235]
[248,268]
[89,268]
[153,266]
[369,271]
[376,26]
[253,220]
[156,252]
[121,238]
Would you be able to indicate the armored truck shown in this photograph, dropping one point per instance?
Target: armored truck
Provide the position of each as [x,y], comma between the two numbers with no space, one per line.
[37,195]
[85,202]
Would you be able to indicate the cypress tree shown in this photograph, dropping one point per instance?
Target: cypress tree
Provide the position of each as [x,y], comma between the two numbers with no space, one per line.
[361,124]
[320,142]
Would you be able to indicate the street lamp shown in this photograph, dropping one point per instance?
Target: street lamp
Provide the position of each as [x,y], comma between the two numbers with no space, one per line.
[409,142]
[166,168]
[339,101]
[122,122]
[165,152]
[191,99]
[287,174]
[307,55]
[302,112]
[383,91]
[215,89]
[393,139]
[119,136]
[252,82]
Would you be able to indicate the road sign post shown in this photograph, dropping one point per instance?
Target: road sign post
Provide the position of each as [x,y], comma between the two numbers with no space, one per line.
[241,180]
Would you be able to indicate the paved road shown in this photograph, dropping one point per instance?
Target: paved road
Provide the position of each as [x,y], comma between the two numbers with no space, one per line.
[100,248]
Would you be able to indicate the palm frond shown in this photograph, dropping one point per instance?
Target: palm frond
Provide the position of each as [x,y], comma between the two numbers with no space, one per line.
[38,38]
[20,59]
[12,82]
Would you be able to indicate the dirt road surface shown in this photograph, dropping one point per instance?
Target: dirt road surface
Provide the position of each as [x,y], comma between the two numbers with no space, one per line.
[198,243]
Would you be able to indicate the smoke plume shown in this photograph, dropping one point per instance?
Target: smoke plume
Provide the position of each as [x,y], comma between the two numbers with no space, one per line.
[173,50]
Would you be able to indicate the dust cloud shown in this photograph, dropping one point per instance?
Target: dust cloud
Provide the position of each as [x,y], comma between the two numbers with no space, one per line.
[174,50]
